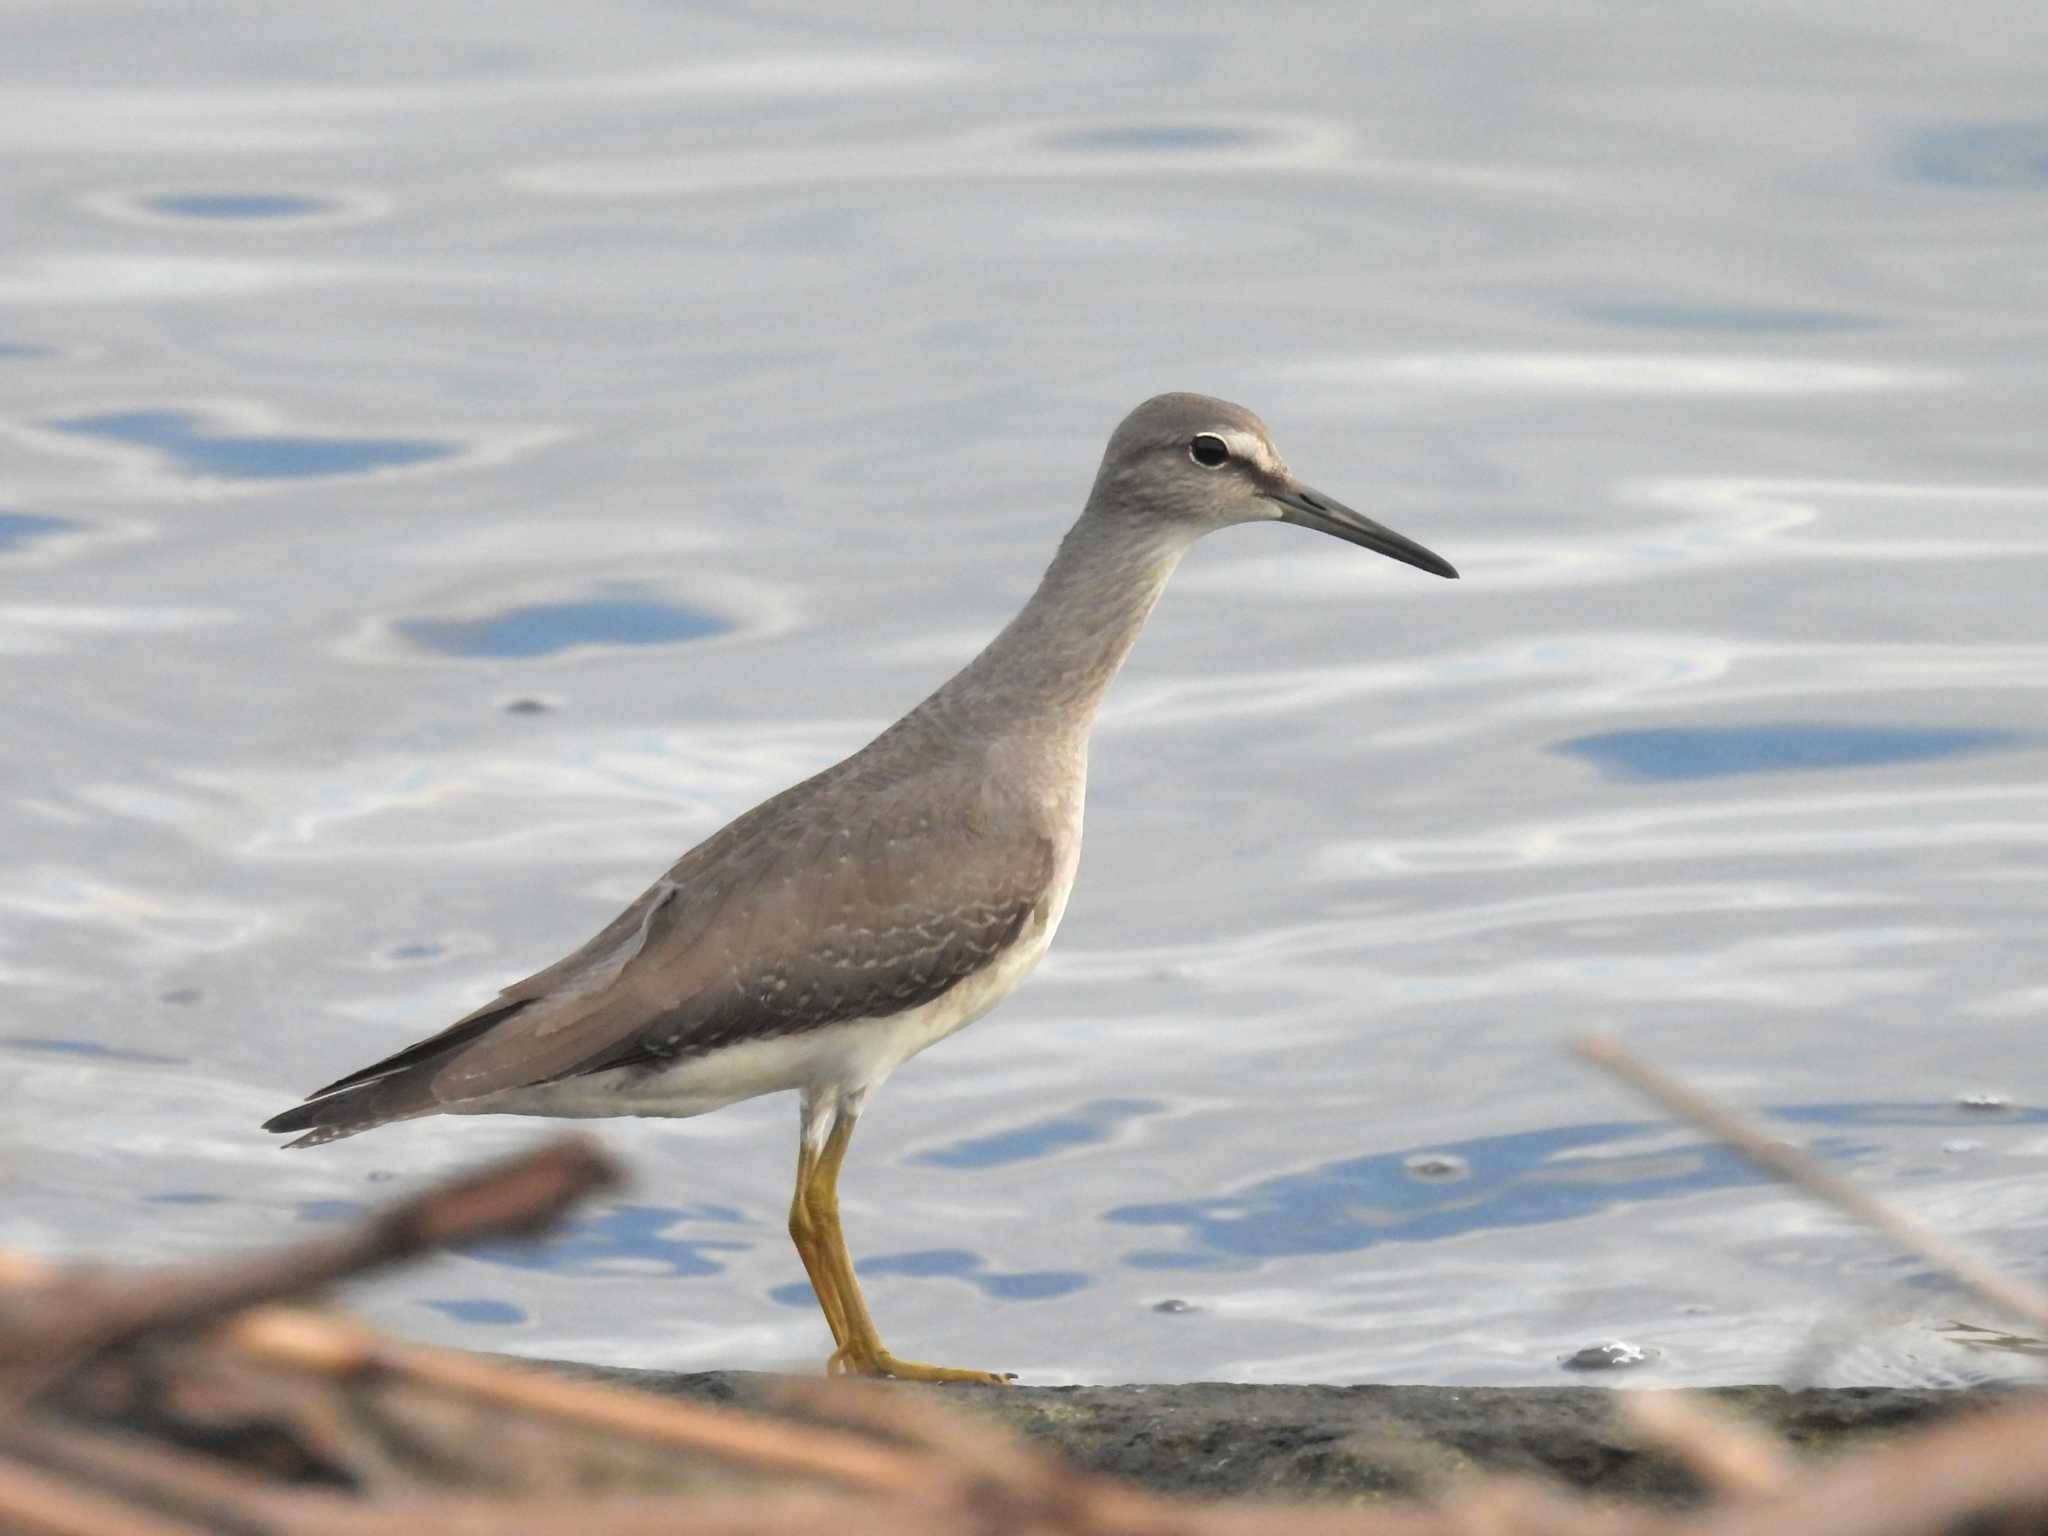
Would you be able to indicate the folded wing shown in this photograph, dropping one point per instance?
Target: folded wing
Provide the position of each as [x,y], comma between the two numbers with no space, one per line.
[841,898]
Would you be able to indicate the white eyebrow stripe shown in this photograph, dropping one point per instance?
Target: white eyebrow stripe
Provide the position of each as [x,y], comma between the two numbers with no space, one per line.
[1249,447]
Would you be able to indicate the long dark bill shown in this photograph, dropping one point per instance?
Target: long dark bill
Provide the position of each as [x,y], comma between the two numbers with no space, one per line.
[1312,509]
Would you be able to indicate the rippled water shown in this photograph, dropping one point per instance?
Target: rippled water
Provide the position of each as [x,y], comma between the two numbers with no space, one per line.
[452,463]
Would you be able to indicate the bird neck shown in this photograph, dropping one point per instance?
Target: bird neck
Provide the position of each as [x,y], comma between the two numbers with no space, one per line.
[1051,665]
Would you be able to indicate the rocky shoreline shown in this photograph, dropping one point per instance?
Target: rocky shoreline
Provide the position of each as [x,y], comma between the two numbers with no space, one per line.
[1366,1441]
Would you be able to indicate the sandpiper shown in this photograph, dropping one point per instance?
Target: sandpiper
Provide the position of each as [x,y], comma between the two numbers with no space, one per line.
[834,931]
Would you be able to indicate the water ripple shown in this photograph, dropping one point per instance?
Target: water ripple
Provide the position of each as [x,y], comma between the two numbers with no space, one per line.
[156,925]
[240,120]
[1005,151]
[1713,752]
[610,795]
[91,1050]
[110,278]
[2003,157]
[1622,373]
[1154,138]
[188,443]
[548,629]
[1991,815]
[954,1264]
[19,529]
[1728,319]
[1086,1125]
[230,209]
[1540,1177]
[1557,1174]
[477,1310]
[619,1239]
[1711,523]
[29,628]
[236,205]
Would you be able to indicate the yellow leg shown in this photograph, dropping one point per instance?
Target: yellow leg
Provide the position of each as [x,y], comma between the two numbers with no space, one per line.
[860,1351]
[803,1231]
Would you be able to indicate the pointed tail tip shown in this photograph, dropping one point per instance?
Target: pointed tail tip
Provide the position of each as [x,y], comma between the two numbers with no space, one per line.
[312,1119]
[313,1134]
[298,1118]
[331,1116]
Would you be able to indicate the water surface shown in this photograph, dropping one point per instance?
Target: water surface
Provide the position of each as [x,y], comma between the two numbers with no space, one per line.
[512,445]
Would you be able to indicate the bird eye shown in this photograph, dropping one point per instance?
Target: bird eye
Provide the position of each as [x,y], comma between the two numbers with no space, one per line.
[1209,450]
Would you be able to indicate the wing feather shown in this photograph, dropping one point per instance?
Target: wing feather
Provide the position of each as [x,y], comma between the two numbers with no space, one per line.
[858,893]
[836,920]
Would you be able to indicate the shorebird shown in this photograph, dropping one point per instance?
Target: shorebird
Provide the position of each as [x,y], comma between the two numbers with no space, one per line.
[831,933]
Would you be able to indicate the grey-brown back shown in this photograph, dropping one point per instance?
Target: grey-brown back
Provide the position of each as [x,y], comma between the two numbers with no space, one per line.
[866,890]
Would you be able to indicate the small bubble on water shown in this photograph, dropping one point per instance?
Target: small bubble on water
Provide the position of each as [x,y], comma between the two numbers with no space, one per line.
[1962,1144]
[1437,1167]
[1608,1355]
[1173,1305]
[1984,1100]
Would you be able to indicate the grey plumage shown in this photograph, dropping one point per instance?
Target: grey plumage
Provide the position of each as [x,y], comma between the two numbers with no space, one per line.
[837,929]
[858,893]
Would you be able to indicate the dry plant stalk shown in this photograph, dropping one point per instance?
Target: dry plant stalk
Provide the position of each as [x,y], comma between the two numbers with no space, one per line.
[90,1311]
[76,1316]
[1795,1167]
[1724,1454]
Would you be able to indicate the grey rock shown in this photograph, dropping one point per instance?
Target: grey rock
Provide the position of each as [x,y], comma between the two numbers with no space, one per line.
[1364,1441]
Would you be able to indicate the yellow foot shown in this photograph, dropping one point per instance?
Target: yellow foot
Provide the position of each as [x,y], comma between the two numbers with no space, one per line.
[859,1360]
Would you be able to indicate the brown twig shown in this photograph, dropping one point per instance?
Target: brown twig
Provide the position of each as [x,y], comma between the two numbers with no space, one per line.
[335,1346]
[1987,1473]
[168,1483]
[518,1196]
[36,1503]
[522,1195]
[1728,1456]
[1796,1167]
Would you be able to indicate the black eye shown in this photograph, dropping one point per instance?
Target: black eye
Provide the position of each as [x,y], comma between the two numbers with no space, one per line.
[1209,450]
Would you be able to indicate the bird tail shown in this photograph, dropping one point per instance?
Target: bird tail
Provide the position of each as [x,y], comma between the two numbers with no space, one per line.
[400,1087]
[351,1111]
